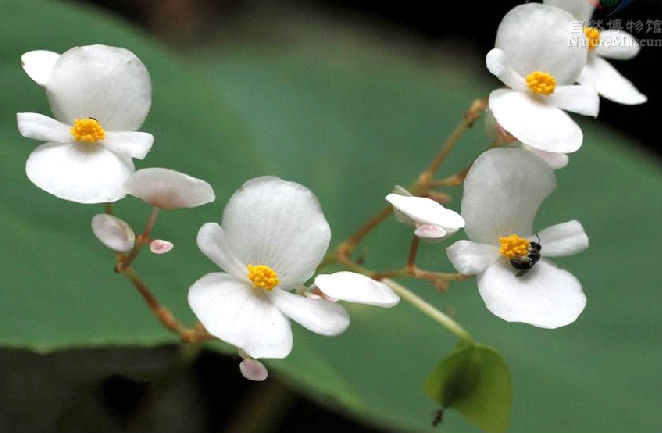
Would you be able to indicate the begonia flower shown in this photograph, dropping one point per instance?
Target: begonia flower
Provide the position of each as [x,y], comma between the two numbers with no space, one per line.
[168,189]
[502,193]
[113,232]
[272,236]
[99,96]
[611,44]
[533,57]
[432,220]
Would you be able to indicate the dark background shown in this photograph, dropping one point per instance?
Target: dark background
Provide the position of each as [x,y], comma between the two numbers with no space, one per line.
[181,22]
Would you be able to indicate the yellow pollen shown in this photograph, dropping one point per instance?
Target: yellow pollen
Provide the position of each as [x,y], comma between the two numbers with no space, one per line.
[263,276]
[541,82]
[87,130]
[514,246]
[592,36]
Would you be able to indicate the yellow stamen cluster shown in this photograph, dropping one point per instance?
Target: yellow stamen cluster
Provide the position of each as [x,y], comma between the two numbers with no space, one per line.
[263,276]
[592,36]
[514,246]
[541,82]
[88,130]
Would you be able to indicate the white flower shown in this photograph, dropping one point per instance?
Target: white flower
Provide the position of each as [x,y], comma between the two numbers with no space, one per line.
[168,189]
[611,44]
[113,232]
[272,236]
[99,96]
[431,219]
[357,288]
[502,193]
[534,58]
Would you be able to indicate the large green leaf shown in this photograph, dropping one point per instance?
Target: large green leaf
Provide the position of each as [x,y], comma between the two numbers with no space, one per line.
[349,119]
[58,286]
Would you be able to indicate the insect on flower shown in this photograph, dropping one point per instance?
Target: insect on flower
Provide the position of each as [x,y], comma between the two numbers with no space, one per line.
[525,262]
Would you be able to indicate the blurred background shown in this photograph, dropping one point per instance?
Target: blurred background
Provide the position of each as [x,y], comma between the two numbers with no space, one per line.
[427,28]
[167,388]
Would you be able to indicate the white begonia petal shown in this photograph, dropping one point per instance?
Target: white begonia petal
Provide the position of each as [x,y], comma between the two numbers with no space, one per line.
[113,232]
[617,45]
[536,37]
[555,160]
[580,9]
[79,172]
[280,224]
[497,64]
[43,128]
[252,369]
[317,315]
[241,315]
[578,99]
[168,189]
[212,242]
[563,239]
[609,83]
[546,296]
[353,287]
[534,122]
[38,65]
[135,144]
[107,83]
[423,210]
[470,258]
[430,232]
[502,193]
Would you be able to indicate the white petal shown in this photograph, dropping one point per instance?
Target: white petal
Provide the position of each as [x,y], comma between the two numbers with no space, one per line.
[563,239]
[546,296]
[212,242]
[555,160]
[533,121]
[497,64]
[280,224]
[617,44]
[43,128]
[578,99]
[317,315]
[536,37]
[430,232]
[38,65]
[113,232]
[423,210]
[252,369]
[353,287]
[580,9]
[132,143]
[107,83]
[502,193]
[168,189]
[243,316]
[610,83]
[470,258]
[79,172]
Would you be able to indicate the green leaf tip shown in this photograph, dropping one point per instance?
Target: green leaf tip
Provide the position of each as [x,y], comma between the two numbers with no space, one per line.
[475,380]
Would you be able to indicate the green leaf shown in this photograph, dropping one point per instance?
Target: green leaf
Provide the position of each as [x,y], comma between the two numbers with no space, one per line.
[474,380]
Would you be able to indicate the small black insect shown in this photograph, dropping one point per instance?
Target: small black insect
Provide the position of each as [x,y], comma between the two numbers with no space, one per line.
[525,263]
[438,417]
